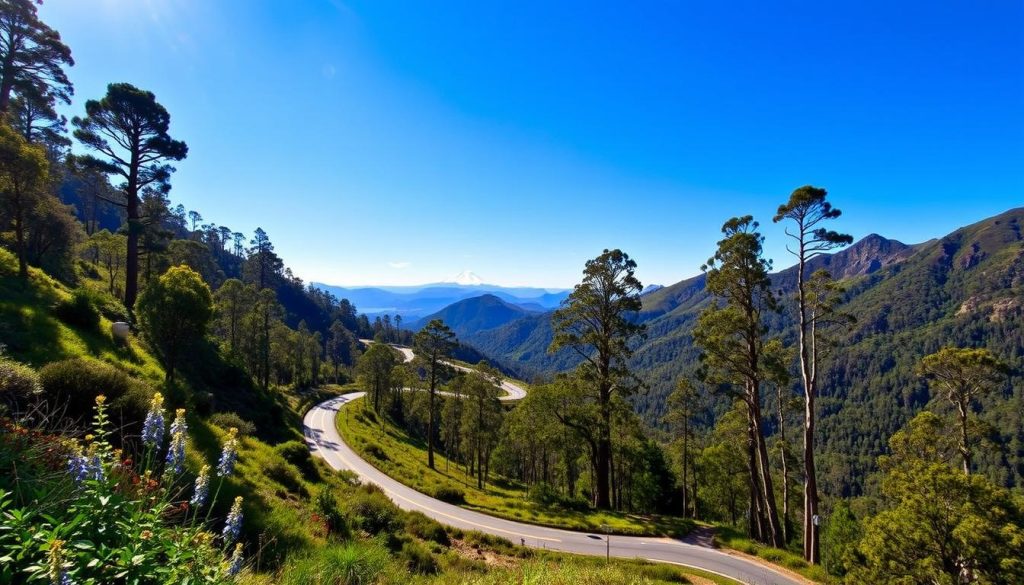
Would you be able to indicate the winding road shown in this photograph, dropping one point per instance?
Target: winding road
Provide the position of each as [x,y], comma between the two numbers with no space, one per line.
[324,440]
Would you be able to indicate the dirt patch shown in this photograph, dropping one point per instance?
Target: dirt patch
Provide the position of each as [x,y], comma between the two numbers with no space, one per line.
[489,557]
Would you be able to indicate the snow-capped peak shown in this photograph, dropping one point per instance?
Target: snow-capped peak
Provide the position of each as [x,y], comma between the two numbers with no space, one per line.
[467,278]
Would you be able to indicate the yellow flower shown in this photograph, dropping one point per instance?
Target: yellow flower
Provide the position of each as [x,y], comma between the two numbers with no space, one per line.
[101,399]
[89,438]
[179,412]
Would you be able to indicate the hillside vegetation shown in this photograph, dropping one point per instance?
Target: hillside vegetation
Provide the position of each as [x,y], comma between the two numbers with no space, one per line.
[966,288]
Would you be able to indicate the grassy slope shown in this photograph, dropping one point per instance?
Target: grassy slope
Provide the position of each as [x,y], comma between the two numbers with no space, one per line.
[33,335]
[405,460]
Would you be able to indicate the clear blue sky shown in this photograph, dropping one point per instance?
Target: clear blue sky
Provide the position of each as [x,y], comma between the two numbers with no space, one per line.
[382,142]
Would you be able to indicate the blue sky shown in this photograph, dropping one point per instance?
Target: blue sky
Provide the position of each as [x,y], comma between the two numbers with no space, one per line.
[383,142]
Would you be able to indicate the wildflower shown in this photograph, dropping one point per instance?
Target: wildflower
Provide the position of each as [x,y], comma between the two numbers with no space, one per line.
[101,400]
[146,534]
[153,428]
[56,573]
[176,452]
[235,564]
[94,465]
[234,522]
[228,454]
[78,465]
[202,487]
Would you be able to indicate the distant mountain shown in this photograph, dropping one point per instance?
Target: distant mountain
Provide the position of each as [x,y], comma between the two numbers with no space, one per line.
[966,288]
[475,314]
[415,302]
[466,278]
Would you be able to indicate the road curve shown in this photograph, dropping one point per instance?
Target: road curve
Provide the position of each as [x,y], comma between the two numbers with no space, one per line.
[324,440]
[512,390]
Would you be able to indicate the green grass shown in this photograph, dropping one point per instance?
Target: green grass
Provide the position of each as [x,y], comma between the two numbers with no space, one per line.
[404,458]
[34,335]
[730,537]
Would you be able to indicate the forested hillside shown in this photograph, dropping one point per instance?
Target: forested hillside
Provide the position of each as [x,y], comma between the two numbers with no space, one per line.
[966,288]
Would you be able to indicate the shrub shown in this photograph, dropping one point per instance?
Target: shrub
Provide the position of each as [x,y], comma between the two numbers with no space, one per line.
[227,420]
[79,311]
[544,494]
[451,495]
[77,382]
[326,505]
[374,450]
[285,474]
[425,528]
[109,306]
[373,513]
[418,558]
[18,382]
[297,454]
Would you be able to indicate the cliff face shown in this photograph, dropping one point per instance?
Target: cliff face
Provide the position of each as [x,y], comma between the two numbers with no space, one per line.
[867,256]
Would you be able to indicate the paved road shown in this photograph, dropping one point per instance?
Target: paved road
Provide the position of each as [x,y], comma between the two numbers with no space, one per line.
[512,390]
[323,439]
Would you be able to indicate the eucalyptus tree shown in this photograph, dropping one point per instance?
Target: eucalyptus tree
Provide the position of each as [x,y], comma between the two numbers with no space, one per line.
[129,130]
[808,210]
[683,405]
[732,338]
[434,344]
[595,321]
[963,375]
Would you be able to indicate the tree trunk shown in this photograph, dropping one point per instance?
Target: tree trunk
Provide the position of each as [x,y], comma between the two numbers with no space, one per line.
[768,490]
[965,449]
[430,414]
[808,357]
[685,462]
[603,470]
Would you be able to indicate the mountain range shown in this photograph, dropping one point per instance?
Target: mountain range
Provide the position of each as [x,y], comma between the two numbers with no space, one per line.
[415,302]
[966,288]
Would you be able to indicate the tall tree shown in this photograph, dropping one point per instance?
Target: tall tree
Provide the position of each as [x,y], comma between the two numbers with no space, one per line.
[374,369]
[683,405]
[732,339]
[434,343]
[32,55]
[481,421]
[130,130]
[962,375]
[263,267]
[594,321]
[340,347]
[233,301]
[23,179]
[808,209]
[174,312]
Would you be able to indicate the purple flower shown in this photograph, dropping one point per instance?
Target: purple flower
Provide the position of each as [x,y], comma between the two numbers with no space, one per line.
[229,454]
[235,565]
[153,428]
[202,488]
[233,526]
[78,466]
[176,452]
